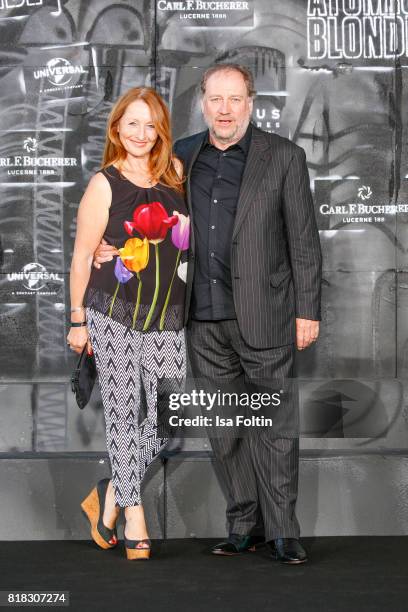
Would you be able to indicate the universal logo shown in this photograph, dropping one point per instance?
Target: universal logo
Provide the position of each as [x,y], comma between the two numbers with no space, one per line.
[60,73]
[34,277]
[267,118]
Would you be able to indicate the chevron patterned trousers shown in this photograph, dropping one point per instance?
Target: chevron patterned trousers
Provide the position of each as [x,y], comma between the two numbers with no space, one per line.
[133,370]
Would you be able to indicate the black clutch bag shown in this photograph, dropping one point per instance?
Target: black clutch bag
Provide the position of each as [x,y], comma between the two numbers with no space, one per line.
[83,378]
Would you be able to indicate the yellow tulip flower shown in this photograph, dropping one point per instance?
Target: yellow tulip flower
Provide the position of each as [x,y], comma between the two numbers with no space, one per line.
[135,254]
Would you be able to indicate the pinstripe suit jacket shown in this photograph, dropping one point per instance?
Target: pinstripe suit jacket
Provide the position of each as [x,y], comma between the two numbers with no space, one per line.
[275,249]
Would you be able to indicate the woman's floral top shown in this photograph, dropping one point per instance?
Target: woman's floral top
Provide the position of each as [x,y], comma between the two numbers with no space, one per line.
[144,286]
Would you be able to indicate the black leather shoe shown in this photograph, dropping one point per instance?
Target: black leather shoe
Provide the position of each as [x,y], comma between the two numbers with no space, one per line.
[288,550]
[237,544]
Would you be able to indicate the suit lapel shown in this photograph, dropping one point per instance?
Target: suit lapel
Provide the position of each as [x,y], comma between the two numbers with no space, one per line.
[256,164]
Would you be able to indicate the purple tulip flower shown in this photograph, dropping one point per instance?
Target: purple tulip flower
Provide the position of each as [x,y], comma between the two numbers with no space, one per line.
[121,272]
[122,275]
[180,233]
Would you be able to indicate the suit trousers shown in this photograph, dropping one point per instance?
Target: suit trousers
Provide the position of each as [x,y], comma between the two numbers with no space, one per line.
[258,471]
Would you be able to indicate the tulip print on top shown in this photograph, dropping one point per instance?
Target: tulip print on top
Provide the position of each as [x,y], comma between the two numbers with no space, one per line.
[143,287]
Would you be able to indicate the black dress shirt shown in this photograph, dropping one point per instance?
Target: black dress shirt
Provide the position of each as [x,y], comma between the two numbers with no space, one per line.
[215,184]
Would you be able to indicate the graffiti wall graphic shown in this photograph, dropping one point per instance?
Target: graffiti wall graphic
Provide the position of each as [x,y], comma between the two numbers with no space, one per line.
[330,74]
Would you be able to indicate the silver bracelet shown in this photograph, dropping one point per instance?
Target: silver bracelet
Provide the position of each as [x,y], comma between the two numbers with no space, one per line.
[77,309]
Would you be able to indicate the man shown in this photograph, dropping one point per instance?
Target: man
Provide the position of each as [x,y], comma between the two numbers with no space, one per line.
[253,289]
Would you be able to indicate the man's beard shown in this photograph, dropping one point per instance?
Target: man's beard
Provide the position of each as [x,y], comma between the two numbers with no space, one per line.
[225,139]
[239,131]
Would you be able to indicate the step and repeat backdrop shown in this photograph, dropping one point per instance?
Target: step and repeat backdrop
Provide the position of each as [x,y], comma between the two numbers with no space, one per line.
[330,75]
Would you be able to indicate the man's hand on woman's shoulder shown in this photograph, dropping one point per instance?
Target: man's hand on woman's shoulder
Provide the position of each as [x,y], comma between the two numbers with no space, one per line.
[104,252]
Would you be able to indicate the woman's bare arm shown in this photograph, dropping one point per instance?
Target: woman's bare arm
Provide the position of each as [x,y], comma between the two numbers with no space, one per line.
[93,215]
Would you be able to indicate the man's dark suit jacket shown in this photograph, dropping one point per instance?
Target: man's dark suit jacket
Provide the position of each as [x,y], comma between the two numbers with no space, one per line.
[275,249]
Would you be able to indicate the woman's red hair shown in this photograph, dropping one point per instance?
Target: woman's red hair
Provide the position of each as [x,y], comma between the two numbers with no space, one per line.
[161,160]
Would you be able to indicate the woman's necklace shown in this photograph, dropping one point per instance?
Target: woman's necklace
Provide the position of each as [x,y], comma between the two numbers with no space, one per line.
[139,176]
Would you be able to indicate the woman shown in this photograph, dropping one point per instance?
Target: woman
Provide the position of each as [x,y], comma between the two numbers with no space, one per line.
[131,311]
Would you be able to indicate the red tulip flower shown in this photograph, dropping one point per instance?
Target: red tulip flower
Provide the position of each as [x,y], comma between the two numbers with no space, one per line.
[151,221]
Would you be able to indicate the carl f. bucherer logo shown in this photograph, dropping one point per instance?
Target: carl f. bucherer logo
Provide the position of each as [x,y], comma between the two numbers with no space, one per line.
[364,192]
[30,144]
